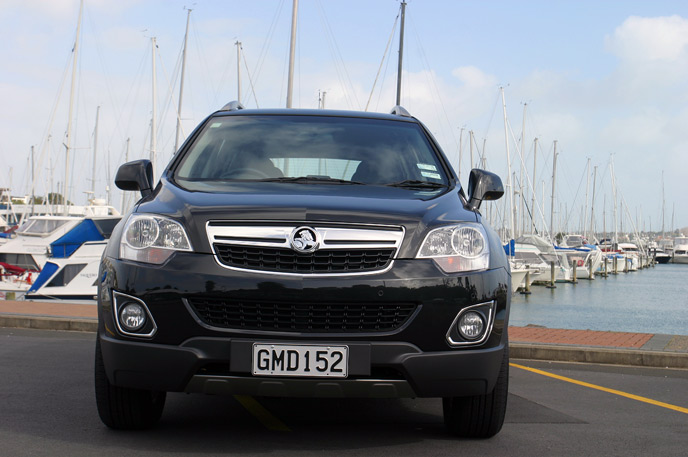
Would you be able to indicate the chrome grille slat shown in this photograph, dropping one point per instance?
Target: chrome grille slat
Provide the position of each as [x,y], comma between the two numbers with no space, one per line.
[344,249]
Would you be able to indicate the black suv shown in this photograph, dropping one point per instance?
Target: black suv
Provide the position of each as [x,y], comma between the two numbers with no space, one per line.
[305,253]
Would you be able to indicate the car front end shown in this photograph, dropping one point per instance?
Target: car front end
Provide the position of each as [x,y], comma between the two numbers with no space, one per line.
[305,285]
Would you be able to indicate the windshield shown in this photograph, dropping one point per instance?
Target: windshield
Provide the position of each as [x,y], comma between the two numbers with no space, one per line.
[311,149]
[40,226]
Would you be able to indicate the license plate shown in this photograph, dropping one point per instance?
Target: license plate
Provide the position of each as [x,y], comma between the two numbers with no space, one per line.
[300,360]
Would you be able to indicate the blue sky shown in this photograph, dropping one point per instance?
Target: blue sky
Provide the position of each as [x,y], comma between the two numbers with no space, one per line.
[604,79]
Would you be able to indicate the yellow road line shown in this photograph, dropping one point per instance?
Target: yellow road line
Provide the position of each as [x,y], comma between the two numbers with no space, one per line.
[263,415]
[604,389]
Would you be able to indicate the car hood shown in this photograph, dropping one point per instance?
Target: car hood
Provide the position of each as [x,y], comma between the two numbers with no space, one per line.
[415,209]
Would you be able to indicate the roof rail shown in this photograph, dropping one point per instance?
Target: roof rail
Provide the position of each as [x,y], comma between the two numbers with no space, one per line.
[399,110]
[232,106]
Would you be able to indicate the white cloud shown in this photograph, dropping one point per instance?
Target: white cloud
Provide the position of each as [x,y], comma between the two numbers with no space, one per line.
[474,77]
[643,39]
[630,132]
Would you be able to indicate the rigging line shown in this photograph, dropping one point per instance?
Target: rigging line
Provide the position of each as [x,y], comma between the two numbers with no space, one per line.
[266,44]
[575,198]
[494,110]
[212,88]
[188,86]
[335,62]
[49,126]
[43,145]
[116,109]
[224,76]
[338,53]
[389,43]
[75,133]
[171,81]
[250,80]
[530,183]
[207,82]
[433,80]
[164,112]
[134,95]
[568,183]
[384,78]
[339,66]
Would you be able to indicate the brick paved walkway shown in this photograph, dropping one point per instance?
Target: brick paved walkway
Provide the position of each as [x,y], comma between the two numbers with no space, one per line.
[78,311]
[578,337]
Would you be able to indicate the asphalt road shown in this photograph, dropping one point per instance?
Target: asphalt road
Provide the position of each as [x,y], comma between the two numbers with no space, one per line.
[47,407]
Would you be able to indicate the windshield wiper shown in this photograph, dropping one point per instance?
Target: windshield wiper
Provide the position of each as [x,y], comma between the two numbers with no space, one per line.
[415,183]
[310,179]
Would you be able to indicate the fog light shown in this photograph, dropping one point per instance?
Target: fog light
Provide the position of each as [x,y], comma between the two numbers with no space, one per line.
[132,317]
[471,325]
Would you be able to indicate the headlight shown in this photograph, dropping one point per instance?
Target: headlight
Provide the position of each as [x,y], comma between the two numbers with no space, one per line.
[152,239]
[455,248]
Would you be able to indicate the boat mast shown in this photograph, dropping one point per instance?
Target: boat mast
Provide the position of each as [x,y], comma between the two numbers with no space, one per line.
[108,193]
[68,143]
[604,221]
[587,187]
[401,52]
[592,204]
[673,210]
[534,184]
[663,204]
[181,83]
[95,152]
[460,150]
[33,181]
[509,184]
[51,198]
[522,199]
[238,45]
[616,230]
[554,177]
[153,142]
[124,194]
[292,48]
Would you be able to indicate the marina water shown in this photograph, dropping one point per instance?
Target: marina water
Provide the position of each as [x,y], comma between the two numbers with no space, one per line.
[652,300]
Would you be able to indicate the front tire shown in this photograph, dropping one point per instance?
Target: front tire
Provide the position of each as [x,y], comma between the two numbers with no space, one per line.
[124,408]
[479,416]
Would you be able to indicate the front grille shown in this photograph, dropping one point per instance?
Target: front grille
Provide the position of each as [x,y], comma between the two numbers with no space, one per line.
[288,261]
[304,318]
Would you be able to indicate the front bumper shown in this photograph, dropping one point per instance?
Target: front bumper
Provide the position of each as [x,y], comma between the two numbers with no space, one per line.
[414,360]
[376,370]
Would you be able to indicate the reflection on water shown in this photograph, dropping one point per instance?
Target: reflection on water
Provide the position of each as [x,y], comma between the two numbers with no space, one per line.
[653,300]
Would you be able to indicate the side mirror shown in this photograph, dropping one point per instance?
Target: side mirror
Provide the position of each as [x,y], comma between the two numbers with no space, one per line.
[483,185]
[136,175]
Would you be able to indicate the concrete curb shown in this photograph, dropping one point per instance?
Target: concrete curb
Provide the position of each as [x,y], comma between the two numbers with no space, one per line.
[48,323]
[599,355]
[529,351]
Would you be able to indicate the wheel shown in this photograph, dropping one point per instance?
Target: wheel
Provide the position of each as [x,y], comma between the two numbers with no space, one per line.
[479,416]
[124,408]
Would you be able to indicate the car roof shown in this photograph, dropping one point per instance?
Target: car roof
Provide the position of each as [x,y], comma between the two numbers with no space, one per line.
[315,112]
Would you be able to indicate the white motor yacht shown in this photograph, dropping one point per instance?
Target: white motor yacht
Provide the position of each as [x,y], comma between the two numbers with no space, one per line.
[43,237]
[72,279]
[680,250]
